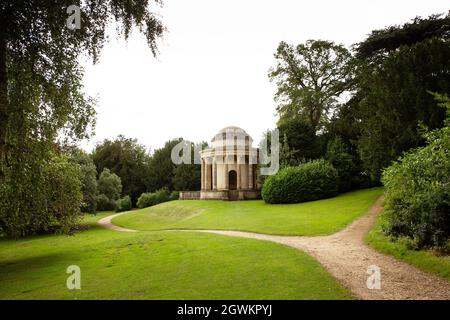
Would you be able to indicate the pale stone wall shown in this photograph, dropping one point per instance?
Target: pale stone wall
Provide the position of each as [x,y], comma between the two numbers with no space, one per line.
[214,195]
[189,195]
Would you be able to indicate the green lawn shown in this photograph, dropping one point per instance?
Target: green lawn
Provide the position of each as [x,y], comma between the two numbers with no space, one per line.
[309,218]
[160,265]
[426,260]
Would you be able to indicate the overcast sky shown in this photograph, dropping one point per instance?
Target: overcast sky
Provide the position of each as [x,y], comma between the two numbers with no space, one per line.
[212,68]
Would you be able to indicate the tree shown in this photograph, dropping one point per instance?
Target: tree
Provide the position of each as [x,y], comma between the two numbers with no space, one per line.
[417,203]
[310,79]
[338,154]
[300,141]
[55,203]
[398,66]
[41,93]
[288,157]
[188,176]
[161,168]
[381,43]
[126,158]
[396,98]
[110,185]
[88,178]
[64,190]
[38,62]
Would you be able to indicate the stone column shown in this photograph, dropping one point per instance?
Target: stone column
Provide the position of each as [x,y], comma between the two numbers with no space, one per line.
[214,175]
[238,166]
[227,182]
[202,172]
[250,176]
[208,175]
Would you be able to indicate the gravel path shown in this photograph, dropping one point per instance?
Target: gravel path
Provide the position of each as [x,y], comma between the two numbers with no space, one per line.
[106,223]
[346,256]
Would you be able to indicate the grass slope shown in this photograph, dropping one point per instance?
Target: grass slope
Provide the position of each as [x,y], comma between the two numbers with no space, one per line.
[160,265]
[426,260]
[309,218]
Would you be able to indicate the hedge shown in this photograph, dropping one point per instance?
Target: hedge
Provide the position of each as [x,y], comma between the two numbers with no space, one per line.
[314,180]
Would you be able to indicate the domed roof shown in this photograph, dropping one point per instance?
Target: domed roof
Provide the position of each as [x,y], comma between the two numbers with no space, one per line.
[232,129]
[231,136]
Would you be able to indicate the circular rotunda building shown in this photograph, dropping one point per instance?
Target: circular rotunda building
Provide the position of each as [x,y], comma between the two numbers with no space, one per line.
[229,167]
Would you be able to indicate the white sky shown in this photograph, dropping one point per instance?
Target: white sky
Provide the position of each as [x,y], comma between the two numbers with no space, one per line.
[213,63]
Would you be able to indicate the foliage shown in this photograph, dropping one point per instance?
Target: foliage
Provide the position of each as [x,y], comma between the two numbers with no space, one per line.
[299,141]
[174,195]
[310,78]
[346,123]
[396,99]
[432,261]
[417,203]
[151,199]
[104,203]
[188,176]
[161,168]
[288,156]
[109,189]
[123,204]
[41,92]
[380,43]
[127,159]
[314,180]
[88,179]
[338,154]
[53,205]
[64,194]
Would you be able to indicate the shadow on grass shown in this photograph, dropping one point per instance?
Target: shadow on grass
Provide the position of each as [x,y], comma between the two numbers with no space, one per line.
[28,264]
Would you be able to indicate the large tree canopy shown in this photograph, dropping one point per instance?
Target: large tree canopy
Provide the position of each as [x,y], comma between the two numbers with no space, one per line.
[299,141]
[40,76]
[395,96]
[310,78]
[88,177]
[41,93]
[380,43]
[126,158]
[162,168]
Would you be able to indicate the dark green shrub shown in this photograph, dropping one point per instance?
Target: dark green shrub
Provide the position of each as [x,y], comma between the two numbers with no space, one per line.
[145,200]
[313,180]
[123,204]
[104,203]
[417,193]
[151,199]
[174,195]
[109,184]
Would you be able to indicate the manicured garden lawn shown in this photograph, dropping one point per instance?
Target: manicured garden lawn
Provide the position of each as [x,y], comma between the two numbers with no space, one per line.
[160,265]
[426,260]
[309,218]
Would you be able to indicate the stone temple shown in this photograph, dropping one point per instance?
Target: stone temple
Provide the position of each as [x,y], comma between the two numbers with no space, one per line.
[229,169]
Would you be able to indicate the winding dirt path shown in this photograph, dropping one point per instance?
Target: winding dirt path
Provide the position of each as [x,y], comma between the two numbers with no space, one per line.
[106,223]
[346,256]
